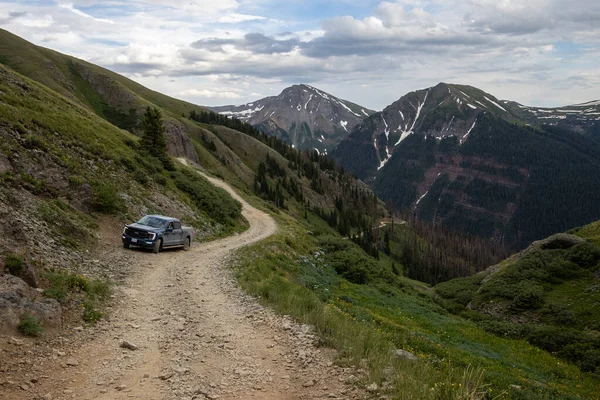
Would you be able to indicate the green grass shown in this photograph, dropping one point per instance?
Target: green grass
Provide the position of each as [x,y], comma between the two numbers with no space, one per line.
[589,232]
[15,264]
[366,322]
[550,298]
[30,326]
[71,228]
[65,286]
[94,166]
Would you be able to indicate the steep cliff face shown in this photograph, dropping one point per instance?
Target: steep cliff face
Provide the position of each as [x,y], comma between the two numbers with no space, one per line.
[302,115]
[179,142]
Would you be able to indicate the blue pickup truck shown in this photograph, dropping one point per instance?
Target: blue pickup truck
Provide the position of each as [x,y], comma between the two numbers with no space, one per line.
[157,232]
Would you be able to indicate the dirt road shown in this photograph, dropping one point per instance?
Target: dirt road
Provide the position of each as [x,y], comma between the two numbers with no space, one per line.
[199,337]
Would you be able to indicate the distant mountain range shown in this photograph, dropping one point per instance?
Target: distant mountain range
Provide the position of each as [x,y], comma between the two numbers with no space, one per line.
[451,154]
[456,155]
[303,116]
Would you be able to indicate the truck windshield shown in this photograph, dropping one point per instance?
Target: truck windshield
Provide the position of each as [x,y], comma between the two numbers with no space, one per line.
[153,222]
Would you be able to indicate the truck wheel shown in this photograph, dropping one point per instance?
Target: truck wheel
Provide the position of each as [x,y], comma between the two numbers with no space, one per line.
[157,246]
[126,245]
[186,244]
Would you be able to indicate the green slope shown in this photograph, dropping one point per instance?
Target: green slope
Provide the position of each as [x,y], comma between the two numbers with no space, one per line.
[297,274]
[80,80]
[548,295]
[56,151]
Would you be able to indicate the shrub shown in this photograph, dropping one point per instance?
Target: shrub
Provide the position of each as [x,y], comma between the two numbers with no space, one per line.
[90,313]
[559,314]
[216,202]
[128,163]
[106,198]
[35,142]
[75,180]
[131,143]
[586,255]
[585,355]
[331,244]
[59,285]
[15,264]
[461,290]
[94,291]
[160,179]
[528,296]
[141,177]
[30,326]
[353,264]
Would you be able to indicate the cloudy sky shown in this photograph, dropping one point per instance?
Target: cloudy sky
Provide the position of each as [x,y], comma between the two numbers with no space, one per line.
[214,52]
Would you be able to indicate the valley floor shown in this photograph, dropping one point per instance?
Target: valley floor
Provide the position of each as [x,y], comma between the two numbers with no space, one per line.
[199,336]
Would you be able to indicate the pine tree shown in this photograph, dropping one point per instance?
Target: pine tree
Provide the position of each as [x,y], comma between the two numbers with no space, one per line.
[153,139]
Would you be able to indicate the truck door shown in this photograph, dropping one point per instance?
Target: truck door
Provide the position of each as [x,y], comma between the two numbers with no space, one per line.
[177,233]
[169,234]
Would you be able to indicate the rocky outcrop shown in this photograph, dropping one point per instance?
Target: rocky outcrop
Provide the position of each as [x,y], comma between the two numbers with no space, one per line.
[114,93]
[179,143]
[18,299]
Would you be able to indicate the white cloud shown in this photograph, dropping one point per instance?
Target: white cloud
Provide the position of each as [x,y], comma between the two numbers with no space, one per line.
[70,7]
[208,93]
[537,51]
[236,18]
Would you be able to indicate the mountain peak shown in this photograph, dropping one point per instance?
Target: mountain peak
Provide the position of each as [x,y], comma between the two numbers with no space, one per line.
[302,115]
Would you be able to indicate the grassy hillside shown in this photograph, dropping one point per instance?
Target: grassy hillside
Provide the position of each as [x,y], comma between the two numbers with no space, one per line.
[111,96]
[62,160]
[547,295]
[307,276]
[104,91]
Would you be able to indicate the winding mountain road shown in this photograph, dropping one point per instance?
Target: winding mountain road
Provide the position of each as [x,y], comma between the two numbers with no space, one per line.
[198,335]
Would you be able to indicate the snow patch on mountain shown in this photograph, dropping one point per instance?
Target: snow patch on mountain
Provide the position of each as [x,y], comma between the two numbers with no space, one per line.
[344,124]
[387,128]
[589,103]
[496,104]
[419,107]
[244,113]
[469,131]
[421,198]
[388,155]
[309,99]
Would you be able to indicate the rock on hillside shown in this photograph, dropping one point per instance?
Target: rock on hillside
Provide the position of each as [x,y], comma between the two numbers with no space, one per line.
[17,299]
[302,115]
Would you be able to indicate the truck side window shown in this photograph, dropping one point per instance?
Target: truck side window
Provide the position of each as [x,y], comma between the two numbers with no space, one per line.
[170,226]
[177,225]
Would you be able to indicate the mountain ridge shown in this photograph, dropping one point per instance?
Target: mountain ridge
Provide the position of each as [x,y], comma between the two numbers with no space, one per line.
[302,115]
[457,155]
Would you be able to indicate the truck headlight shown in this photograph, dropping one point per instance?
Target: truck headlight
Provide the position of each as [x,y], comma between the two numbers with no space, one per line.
[151,236]
[124,229]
